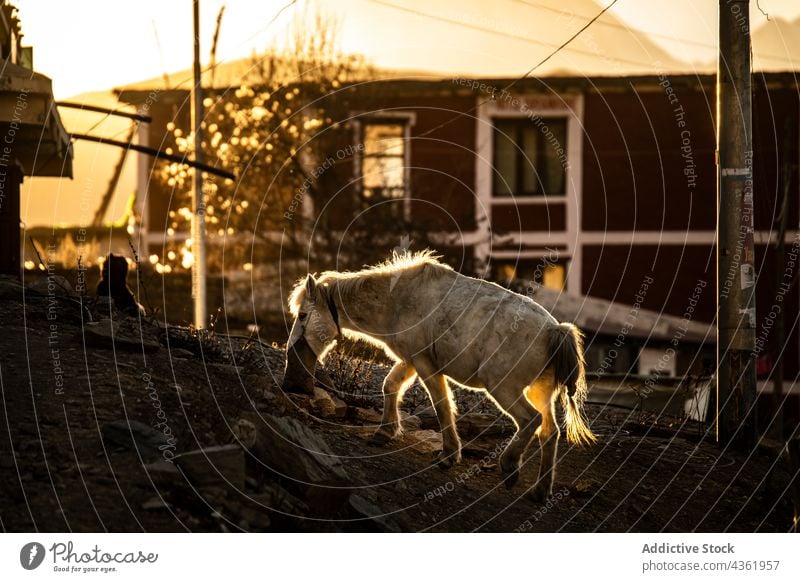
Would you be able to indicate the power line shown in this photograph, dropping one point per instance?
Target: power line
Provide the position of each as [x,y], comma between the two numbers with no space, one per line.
[617,25]
[530,71]
[509,35]
[573,37]
[632,29]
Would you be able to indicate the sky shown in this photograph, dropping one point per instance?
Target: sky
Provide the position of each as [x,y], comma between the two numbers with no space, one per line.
[91,46]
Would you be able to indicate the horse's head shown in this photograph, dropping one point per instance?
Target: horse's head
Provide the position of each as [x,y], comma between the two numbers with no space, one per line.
[315,329]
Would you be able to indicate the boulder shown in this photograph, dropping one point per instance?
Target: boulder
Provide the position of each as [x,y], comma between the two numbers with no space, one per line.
[410,421]
[135,435]
[369,512]
[52,285]
[477,424]
[10,287]
[425,441]
[303,461]
[107,334]
[369,416]
[213,466]
[164,474]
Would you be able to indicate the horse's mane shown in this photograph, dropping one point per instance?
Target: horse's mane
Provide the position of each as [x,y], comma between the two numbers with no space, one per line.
[348,282]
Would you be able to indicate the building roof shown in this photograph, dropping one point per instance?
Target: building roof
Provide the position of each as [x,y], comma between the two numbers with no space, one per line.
[595,315]
[30,119]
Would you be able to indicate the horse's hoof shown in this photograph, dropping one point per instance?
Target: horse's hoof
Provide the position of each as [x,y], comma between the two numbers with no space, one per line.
[511,479]
[447,460]
[538,494]
[380,437]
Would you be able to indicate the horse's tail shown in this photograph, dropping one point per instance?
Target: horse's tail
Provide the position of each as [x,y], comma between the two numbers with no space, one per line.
[566,354]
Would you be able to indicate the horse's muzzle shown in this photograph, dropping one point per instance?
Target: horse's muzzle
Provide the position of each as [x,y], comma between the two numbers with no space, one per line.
[300,362]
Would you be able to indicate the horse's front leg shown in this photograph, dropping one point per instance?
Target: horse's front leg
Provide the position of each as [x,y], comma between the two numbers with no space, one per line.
[397,380]
[439,392]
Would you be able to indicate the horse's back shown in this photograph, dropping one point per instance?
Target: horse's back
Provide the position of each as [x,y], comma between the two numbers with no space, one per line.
[479,333]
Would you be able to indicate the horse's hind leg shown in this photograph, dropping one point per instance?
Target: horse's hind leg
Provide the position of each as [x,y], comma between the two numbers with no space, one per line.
[439,392]
[541,395]
[513,402]
[397,380]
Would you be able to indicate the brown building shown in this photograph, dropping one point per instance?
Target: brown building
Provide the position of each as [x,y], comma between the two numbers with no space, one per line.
[602,187]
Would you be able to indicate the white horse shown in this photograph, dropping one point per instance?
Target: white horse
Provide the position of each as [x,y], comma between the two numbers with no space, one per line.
[440,325]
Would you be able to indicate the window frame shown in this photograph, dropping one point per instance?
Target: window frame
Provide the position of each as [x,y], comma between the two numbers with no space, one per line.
[407,120]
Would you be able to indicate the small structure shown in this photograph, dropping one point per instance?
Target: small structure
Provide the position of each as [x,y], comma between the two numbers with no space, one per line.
[33,141]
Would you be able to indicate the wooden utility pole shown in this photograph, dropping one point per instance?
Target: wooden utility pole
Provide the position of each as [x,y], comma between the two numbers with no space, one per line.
[198,203]
[736,307]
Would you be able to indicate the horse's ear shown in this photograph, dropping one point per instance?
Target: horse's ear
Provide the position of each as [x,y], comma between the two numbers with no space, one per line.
[311,286]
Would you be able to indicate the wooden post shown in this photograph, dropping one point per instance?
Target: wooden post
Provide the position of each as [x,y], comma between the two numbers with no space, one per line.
[736,313]
[10,235]
[198,203]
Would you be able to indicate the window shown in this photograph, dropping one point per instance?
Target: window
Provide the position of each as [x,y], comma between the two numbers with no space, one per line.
[530,157]
[544,272]
[383,164]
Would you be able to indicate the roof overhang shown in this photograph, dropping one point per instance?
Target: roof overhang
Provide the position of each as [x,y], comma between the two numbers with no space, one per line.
[601,316]
[31,132]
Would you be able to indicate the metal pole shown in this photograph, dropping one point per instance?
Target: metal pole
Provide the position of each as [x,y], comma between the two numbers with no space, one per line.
[198,204]
[736,313]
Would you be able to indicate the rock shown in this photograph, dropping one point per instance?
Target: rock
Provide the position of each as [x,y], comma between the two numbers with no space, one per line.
[10,287]
[276,498]
[135,435]
[107,334]
[52,285]
[476,424]
[261,384]
[252,518]
[220,465]
[425,441]
[340,407]
[323,378]
[180,353]
[155,504]
[164,474]
[369,416]
[327,405]
[586,487]
[410,421]
[304,461]
[245,432]
[427,417]
[226,368]
[322,403]
[364,508]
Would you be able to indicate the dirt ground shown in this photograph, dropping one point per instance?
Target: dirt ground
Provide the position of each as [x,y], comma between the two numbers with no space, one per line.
[64,469]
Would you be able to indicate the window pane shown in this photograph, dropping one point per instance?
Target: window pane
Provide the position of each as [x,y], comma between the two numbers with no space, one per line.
[530,144]
[554,276]
[505,160]
[383,172]
[553,173]
[383,139]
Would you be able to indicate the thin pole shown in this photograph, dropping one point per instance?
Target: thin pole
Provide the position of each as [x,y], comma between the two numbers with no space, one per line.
[198,204]
[780,262]
[736,312]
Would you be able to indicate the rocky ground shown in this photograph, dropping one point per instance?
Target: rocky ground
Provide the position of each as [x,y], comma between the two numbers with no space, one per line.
[110,424]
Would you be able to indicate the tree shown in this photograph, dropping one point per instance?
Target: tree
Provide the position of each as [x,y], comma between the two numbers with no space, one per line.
[270,131]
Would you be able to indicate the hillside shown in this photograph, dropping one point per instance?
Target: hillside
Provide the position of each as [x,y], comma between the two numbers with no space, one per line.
[98,427]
